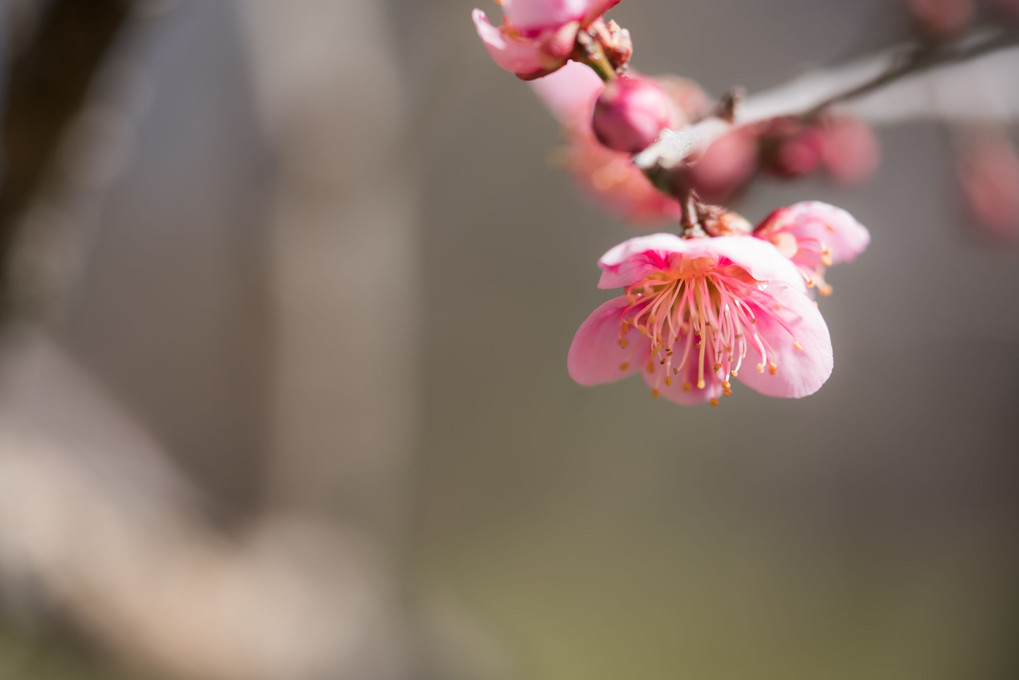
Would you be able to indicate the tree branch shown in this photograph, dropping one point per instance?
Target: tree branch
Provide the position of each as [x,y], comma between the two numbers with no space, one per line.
[810,95]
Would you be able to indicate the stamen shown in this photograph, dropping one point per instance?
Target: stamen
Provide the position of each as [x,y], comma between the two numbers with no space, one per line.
[698,305]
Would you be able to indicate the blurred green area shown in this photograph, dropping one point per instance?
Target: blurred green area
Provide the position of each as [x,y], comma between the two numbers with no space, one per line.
[598,599]
[45,655]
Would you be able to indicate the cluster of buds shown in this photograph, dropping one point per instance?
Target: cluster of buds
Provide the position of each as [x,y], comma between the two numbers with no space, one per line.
[843,147]
[721,299]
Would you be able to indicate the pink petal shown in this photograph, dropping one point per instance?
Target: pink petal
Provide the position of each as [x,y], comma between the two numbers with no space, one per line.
[612,180]
[570,93]
[688,374]
[635,259]
[531,16]
[521,56]
[812,220]
[800,371]
[595,355]
[761,259]
[596,8]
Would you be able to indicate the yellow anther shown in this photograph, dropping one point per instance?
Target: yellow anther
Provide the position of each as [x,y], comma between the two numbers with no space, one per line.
[714,402]
[624,366]
[760,368]
[726,388]
[623,343]
[734,374]
[797,345]
[824,290]
[772,368]
[687,386]
[655,393]
[650,367]
[700,384]
[668,381]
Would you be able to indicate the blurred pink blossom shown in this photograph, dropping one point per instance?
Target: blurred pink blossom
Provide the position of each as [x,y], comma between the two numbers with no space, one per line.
[814,235]
[609,177]
[725,166]
[843,146]
[537,36]
[988,171]
[693,310]
[1010,6]
[850,150]
[942,19]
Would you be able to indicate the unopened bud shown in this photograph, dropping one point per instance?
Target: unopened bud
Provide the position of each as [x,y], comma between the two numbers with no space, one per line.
[725,166]
[850,150]
[630,113]
[942,19]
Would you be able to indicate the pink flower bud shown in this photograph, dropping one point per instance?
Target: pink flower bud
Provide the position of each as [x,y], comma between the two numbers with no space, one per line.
[797,156]
[942,19]
[725,166]
[850,150]
[630,113]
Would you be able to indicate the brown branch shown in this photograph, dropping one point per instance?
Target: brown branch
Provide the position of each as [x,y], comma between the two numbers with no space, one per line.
[47,84]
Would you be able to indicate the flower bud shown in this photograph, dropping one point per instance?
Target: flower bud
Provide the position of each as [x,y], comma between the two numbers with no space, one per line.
[850,151]
[630,113]
[725,166]
[942,19]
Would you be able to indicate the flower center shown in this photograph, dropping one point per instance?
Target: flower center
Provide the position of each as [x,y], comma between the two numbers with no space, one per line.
[699,313]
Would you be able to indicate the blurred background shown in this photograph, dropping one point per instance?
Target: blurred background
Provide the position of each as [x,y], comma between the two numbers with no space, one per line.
[287,293]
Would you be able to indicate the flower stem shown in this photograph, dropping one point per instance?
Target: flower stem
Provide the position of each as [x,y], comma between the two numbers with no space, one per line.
[589,51]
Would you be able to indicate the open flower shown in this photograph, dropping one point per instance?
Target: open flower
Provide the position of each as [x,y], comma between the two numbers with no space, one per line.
[537,36]
[814,236]
[697,312]
[610,177]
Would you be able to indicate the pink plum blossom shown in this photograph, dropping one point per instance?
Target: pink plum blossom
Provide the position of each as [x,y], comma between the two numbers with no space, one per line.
[695,313]
[537,36]
[609,177]
[814,235]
